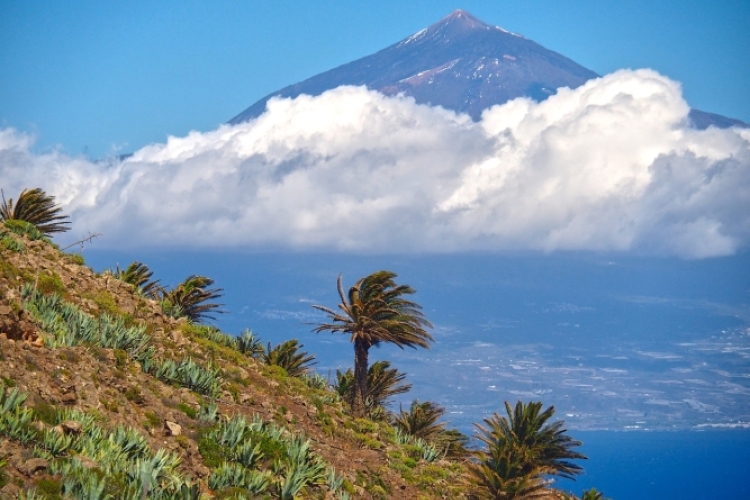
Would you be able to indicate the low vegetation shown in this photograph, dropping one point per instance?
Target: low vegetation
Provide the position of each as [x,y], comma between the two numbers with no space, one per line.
[112,386]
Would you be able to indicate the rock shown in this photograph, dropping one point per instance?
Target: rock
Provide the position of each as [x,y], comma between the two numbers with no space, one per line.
[68,398]
[177,337]
[87,462]
[33,466]
[71,427]
[201,470]
[172,428]
[10,490]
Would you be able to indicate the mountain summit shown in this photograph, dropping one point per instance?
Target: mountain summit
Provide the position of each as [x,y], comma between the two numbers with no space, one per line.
[462,64]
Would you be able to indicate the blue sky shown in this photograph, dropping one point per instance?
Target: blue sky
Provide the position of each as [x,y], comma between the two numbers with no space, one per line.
[97,77]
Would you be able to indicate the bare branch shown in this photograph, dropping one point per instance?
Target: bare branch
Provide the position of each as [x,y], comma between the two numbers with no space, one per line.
[88,239]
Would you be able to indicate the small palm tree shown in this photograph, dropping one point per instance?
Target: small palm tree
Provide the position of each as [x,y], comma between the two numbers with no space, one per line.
[421,421]
[521,451]
[191,298]
[139,275]
[591,494]
[37,208]
[383,382]
[375,311]
[289,356]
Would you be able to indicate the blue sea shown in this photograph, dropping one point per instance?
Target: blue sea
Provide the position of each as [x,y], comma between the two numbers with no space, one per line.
[682,465]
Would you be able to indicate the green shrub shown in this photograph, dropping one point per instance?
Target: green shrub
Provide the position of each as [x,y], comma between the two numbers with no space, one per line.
[45,412]
[187,410]
[50,284]
[134,395]
[75,258]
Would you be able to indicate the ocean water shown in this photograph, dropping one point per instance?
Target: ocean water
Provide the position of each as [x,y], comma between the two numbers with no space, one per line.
[684,465]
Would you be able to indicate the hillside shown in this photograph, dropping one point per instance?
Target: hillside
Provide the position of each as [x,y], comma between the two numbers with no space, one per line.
[104,395]
[111,388]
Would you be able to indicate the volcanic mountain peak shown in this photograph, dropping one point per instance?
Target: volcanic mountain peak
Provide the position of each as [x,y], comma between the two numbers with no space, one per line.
[460,63]
[460,21]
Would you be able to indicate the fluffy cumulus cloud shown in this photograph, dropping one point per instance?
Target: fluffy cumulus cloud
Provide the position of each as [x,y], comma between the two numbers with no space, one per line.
[612,165]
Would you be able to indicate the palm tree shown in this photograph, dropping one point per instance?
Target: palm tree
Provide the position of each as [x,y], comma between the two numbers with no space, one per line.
[37,208]
[591,494]
[190,299]
[139,275]
[520,451]
[375,311]
[421,421]
[289,356]
[383,382]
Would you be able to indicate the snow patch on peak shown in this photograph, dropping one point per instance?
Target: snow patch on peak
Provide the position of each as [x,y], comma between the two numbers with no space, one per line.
[416,36]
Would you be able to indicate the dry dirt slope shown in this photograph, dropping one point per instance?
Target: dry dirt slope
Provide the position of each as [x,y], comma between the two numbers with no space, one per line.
[82,398]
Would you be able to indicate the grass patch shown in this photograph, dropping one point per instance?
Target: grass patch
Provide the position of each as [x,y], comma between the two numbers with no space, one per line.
[45,412]
[188,410]
[50,284]
[74,258]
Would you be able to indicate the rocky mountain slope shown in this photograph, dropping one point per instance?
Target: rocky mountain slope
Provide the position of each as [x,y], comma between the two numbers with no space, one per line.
[462,64]
[126,413]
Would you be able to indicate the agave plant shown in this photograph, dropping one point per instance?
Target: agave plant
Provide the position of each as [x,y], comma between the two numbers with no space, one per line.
[235,475]
[55,443]
[289,356]
[37,208]
[208,412]
[304,468]
[250,344]
[192,299]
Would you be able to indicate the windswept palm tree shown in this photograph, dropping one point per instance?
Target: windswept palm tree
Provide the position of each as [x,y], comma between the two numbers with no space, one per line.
[521,451]
[421,420]
[37,208]
[192,298]
[289,356]
[375,311]
[383,382]
[139,275]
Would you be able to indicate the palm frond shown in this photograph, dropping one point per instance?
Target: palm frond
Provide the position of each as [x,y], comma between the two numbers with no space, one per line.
[521,451]
[421,420]
[139,275]
[35,207]
[193,298]
[290,356]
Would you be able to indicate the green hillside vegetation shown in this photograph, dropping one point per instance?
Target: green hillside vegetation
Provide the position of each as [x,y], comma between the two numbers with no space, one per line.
[114,386]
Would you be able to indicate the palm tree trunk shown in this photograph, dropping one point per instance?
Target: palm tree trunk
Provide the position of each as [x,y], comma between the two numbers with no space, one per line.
[359,396]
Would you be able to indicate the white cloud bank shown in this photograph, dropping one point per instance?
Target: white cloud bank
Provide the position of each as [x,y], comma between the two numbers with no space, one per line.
[611,165]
